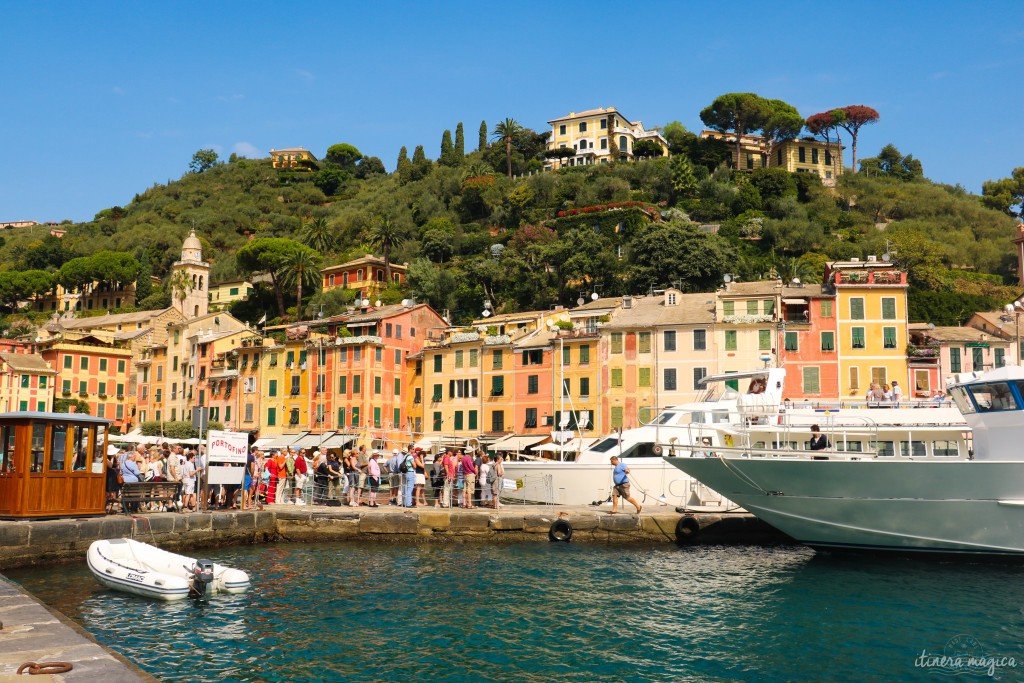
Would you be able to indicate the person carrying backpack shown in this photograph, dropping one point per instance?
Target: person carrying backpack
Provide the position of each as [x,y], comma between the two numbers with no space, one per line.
[408,472]
[394,464]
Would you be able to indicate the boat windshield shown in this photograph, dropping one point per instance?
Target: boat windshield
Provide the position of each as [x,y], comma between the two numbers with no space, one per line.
[664,418]
[606,445]
[992,396]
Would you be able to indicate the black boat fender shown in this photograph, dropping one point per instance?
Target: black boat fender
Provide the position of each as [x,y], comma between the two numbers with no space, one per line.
[560,531]
[687,529]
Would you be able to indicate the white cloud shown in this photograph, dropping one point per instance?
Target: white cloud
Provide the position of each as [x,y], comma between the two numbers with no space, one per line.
[247,149]
[306,76]
[119,91]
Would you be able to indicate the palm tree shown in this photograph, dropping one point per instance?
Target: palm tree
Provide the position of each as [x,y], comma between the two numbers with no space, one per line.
[507,130]
[301,266]
[318,235]
[181,285]
[385,235]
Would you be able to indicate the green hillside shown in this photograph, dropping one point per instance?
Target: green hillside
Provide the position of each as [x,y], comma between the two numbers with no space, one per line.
[472,234]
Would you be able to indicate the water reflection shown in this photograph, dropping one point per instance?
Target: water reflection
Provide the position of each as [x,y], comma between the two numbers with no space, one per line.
[558,612]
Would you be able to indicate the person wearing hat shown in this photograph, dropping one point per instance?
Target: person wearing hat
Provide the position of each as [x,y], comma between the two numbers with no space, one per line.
[394,464]
[408,472]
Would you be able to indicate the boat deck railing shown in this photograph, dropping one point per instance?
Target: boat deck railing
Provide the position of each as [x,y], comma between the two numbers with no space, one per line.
[783,453]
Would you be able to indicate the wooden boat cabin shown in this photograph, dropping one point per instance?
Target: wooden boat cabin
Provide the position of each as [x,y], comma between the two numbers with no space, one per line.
[52,465]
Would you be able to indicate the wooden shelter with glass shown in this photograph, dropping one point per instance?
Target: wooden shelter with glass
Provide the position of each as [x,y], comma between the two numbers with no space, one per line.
[52,465]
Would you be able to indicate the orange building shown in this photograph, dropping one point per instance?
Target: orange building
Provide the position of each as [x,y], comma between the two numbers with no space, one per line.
[93,370]
[357,377]
[365,275]
[807,345]
[26,383]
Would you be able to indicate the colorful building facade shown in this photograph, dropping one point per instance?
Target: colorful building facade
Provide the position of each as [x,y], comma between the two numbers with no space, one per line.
[871,324]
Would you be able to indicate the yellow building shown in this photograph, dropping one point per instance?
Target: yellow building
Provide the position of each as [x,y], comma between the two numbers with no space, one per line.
[295,388]
[455,391]
[97,296]
[576,367]
[871,320]
[599,136]
[808,155]
[291,157]
[802,155]
[224,294]
[271,385]
[746,330]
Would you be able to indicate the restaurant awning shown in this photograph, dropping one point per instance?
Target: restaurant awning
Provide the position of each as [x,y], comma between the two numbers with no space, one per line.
[430,442]
[285,440]
[794,301]
[263,442]
[339,440]
[516,442]
[573,445]
[311,440]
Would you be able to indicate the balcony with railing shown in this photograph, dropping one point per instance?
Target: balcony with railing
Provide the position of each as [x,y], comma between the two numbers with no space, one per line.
[871,277]
[926,352]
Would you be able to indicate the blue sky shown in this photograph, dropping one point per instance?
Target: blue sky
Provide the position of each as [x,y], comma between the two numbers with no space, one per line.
[101,100]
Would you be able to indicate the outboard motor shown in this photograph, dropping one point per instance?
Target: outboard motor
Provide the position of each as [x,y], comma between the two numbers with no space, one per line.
[202,576]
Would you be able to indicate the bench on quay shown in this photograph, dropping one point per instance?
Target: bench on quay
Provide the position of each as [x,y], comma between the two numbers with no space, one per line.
[166,492]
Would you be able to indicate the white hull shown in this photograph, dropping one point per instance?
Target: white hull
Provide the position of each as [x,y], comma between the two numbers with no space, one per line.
[572,483]
[129,566]
[955,507]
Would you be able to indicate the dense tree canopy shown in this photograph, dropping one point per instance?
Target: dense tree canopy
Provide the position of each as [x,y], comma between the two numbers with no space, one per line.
[1006,194]
[471,233]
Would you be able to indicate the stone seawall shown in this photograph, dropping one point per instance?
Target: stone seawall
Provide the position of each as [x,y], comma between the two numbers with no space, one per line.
[24,543]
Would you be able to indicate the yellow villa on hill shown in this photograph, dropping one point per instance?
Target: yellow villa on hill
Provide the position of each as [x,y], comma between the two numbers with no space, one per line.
[599,136]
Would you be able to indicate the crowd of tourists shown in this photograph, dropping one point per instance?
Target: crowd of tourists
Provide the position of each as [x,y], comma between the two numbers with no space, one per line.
[466,479]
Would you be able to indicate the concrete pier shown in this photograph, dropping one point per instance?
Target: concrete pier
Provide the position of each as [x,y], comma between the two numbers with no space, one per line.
[24,543]
[31,632]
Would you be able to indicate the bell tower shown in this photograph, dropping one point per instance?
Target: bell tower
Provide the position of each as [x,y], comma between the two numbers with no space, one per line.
[190,279]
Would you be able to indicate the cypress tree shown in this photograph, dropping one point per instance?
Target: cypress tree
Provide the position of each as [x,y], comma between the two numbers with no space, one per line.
[420,163]
[447,157]
[460,143]
[404,168]
[483,135]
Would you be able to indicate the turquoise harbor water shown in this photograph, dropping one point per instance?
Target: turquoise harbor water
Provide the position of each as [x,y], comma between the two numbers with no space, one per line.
[561,612]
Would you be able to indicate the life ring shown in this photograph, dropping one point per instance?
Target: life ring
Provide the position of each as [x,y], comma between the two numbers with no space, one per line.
[757,386]
[560,531]
[658,450]
[687,529]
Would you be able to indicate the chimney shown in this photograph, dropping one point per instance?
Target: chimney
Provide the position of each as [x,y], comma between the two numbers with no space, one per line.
[627,301]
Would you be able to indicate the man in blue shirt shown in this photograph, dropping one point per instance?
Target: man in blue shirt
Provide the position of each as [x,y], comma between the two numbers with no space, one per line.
[620,477]
[130,473]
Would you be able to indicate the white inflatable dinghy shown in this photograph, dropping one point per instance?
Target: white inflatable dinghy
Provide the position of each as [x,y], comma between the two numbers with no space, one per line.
[123,564]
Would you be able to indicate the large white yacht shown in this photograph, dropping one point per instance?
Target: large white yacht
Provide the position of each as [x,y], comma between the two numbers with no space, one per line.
[587,478]
[930,485]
